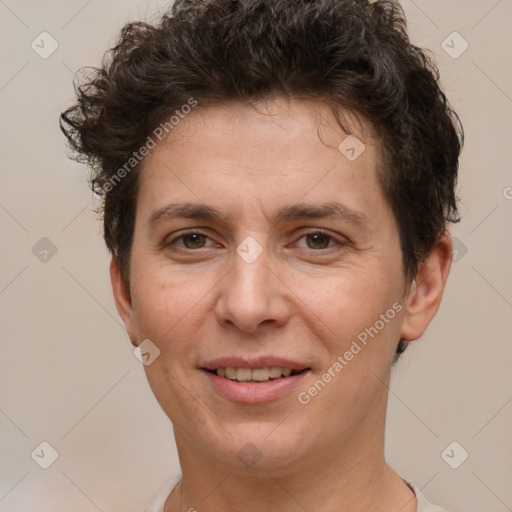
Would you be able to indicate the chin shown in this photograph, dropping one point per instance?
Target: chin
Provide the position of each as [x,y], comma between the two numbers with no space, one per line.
[259,446]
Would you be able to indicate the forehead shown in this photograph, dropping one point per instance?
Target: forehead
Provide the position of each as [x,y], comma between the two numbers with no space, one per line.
[271,124]
[275,153]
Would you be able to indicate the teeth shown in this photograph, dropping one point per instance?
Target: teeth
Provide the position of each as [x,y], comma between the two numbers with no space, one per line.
[275,372]
[256,374]
[243,374]
[230,373]
[260,374]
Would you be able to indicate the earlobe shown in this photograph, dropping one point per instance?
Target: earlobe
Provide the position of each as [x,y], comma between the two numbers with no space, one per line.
[122,299]
[425,294]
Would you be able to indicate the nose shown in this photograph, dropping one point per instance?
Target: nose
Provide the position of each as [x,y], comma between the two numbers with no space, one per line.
[253,296]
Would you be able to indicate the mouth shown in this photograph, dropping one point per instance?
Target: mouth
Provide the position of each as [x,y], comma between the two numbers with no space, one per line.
[255,375]
[254,381]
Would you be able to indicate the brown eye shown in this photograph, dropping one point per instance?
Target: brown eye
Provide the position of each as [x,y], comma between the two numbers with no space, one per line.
[189,241]
[193,240]
[318,240]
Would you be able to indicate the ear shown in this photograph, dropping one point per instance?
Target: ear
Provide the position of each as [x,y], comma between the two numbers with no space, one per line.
[426,291]
[123,299]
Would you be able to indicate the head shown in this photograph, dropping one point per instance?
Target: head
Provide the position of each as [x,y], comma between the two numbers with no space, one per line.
[276,177]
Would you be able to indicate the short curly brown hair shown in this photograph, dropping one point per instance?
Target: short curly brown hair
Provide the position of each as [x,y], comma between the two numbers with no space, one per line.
[352,54]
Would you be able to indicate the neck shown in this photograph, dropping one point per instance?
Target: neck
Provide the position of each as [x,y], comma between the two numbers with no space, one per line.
[350,477]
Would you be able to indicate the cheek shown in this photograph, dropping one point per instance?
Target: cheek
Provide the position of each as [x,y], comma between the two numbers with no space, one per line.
[166,305]
[348,303]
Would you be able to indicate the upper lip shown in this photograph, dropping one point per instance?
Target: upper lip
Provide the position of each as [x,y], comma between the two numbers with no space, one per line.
[251,362]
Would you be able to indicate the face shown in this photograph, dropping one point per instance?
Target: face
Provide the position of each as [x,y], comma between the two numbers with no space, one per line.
[260,248]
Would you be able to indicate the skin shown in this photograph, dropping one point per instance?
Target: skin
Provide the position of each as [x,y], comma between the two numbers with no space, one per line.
[301,299]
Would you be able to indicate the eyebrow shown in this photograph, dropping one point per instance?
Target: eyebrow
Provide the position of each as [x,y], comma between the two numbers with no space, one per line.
[297,211]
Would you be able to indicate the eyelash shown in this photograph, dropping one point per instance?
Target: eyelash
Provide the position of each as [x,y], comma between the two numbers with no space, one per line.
[316,231]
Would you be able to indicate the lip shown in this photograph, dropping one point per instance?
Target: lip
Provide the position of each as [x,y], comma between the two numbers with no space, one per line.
[258,362]
[254,393]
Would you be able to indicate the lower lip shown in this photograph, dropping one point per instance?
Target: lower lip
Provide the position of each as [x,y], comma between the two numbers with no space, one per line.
[257,392]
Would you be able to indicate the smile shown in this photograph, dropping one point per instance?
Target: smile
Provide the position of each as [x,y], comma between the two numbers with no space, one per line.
[254,385]
[255,375]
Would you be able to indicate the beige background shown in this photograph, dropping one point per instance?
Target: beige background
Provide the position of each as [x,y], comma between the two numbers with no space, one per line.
[68,374]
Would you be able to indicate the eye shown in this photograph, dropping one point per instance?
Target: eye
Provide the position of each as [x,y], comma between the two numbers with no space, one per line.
[319,240]
[192,240]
